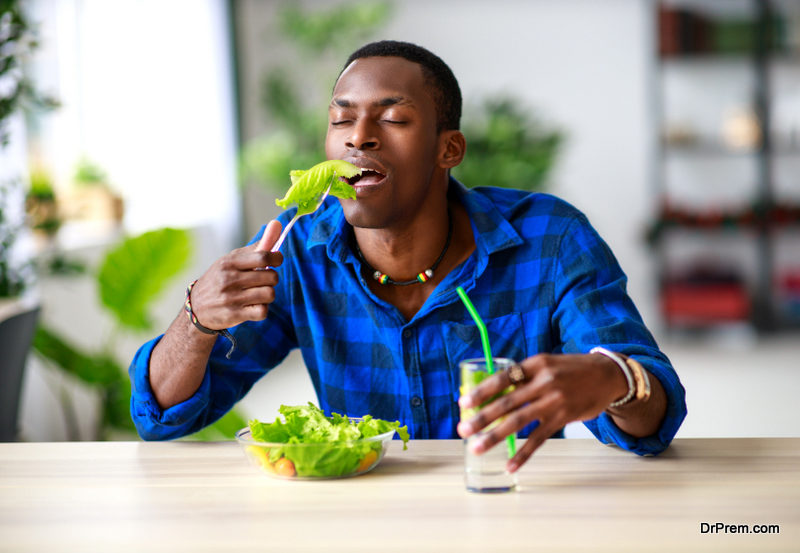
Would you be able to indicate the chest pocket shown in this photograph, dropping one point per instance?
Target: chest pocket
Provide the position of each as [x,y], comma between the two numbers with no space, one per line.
[463,341]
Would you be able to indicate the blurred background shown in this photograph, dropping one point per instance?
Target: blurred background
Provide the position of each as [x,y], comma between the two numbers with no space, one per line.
[143,139]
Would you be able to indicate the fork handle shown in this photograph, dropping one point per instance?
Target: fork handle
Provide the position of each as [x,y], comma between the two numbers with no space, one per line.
[285,233]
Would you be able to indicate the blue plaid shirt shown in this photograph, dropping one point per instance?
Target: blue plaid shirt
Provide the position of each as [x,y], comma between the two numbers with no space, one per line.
[540,276]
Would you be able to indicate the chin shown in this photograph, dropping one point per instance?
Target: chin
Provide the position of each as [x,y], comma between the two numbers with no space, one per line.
[357,216]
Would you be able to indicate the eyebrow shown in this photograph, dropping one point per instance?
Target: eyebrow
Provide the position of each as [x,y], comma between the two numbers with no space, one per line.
[383,102]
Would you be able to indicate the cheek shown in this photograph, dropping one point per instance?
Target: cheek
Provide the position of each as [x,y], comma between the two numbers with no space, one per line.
[416,147]
[329,149]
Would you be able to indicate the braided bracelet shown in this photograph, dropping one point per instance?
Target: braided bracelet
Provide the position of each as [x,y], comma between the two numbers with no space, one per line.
[187,306]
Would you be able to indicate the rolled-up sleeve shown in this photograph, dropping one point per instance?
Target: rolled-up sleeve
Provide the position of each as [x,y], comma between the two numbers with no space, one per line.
[604,428]
[593,309]
[151,421]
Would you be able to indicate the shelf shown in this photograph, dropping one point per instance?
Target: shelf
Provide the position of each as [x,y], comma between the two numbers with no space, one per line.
[742,58]
[746,220]
[713,57]
[707,148]
[701,303]
[694,31]
[704,148]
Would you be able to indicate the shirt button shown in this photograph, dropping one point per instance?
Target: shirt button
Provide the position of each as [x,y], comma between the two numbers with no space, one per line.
[416,401]
[407,333]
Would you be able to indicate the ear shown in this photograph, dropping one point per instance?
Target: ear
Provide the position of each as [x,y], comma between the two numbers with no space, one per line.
[452,147]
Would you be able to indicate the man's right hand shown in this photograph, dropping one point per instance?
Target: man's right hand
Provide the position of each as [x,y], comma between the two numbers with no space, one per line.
[236,288]
[239,286]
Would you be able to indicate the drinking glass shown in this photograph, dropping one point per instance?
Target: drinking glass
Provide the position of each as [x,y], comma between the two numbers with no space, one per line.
[484,473]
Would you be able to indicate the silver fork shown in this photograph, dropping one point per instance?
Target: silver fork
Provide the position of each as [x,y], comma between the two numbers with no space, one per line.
[320,199]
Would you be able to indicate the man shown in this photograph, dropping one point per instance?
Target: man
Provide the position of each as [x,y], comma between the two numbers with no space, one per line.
[366,289]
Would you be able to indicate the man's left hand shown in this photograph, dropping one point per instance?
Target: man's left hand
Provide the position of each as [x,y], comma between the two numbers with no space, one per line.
[557,389]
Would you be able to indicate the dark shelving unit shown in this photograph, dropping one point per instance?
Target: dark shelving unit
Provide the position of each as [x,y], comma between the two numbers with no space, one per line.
[704,295]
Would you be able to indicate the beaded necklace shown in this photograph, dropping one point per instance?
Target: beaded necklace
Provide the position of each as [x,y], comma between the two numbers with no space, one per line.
[422,277]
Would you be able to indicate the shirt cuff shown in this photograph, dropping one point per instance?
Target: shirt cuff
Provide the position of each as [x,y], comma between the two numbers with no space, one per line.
[606,430]
[151,421]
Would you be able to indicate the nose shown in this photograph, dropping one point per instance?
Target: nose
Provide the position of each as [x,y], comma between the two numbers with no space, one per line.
[362,137]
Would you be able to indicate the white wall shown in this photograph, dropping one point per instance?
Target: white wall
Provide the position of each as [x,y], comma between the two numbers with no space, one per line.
[147,93]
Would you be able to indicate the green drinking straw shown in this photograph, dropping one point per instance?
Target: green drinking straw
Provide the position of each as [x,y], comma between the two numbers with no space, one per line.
[487,352]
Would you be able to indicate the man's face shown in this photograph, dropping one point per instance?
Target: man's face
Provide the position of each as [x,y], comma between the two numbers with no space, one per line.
[383,119]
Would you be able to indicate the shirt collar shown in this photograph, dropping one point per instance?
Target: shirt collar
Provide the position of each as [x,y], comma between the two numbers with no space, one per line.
[493,232]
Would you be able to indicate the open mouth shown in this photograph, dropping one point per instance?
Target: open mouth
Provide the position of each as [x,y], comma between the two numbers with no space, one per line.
[367,177]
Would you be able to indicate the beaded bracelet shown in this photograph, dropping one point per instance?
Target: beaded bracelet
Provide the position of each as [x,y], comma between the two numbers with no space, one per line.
[626,371]
[187,306]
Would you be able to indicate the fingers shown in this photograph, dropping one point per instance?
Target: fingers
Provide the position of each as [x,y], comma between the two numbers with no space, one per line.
[254,279]
[501,406]
[239,286]
[544,409]
[257,256]
[270,236]
[489,388]
[247,259]
[534,441]
[536,398]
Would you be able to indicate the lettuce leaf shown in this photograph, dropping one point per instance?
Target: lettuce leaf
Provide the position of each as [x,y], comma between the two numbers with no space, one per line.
[307,424]
[308,184]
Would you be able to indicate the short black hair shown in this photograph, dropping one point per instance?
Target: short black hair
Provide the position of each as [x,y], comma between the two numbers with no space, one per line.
[438,76]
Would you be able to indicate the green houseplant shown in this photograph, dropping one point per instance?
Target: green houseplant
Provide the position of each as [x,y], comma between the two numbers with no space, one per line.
[507,146]
[41,205]
[127,291]
[92,196]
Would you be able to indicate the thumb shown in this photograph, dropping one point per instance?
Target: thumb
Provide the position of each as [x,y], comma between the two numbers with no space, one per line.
[270,236]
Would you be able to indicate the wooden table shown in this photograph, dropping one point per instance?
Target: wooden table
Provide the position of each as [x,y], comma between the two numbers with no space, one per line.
[575,495]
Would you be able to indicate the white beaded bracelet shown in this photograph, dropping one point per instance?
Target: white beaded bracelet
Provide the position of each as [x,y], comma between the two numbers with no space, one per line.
[625,369]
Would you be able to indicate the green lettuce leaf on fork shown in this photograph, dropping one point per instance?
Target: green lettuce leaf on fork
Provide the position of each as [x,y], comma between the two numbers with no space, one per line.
[307,424]
[307,185]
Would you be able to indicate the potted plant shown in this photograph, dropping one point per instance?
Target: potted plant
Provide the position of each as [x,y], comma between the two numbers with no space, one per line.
[41,205]
[92,197]
[127,294]
[519,150]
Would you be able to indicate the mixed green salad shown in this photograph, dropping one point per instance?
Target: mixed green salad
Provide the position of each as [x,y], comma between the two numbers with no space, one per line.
[307,185]
[314,445]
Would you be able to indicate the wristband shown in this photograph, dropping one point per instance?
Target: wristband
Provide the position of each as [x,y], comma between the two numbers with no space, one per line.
[626,370]
[640,377]
[187,306]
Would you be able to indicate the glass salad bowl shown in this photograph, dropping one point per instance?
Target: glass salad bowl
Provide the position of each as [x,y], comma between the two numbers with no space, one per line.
[315,461]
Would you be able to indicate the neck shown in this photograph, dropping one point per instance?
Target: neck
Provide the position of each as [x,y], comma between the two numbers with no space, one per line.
[403,255]
[391,258]
[422,276]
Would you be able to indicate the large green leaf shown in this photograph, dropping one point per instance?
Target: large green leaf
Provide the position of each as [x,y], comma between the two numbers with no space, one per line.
[117,405]
[96,370]
[136,271]
[99,371]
